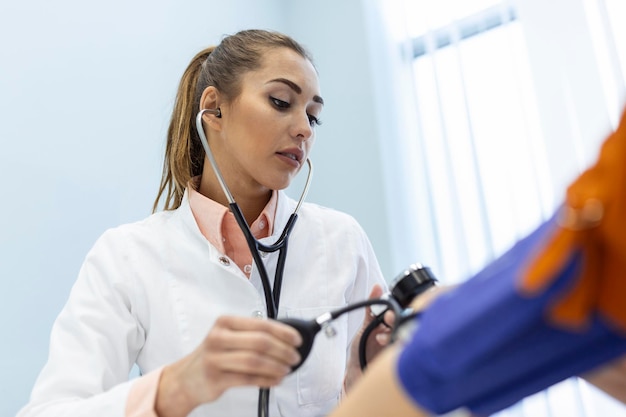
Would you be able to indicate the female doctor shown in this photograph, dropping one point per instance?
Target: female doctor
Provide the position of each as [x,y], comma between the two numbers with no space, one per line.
[178,293]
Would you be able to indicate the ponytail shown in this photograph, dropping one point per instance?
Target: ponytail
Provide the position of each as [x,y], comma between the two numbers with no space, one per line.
[184,155]
[223,67]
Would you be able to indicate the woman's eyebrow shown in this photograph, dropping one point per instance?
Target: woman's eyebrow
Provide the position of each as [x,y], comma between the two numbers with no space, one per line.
[295,87]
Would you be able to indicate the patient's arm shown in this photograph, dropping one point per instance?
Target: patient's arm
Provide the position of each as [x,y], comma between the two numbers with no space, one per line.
[378,392]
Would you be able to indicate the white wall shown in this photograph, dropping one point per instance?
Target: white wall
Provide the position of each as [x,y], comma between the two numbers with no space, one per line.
[85,94]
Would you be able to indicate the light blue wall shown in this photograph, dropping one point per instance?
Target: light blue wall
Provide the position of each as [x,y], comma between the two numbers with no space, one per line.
[85,94]
[349,169]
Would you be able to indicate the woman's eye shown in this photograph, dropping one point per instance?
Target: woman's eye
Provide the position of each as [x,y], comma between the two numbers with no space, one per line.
[314,121]
[280,104]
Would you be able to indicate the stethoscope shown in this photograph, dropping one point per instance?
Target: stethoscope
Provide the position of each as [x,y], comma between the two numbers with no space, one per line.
[272,295]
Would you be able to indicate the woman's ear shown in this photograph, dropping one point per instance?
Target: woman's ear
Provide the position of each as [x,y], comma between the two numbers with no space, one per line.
[210,99]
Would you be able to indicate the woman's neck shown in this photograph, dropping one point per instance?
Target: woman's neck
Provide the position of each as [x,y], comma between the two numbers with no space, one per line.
[250,202]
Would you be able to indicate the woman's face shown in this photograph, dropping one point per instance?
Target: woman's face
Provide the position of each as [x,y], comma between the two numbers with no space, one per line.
[267,132]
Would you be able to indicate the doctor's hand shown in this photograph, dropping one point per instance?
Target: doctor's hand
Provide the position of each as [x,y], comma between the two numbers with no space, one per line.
[377,340]
[237,351]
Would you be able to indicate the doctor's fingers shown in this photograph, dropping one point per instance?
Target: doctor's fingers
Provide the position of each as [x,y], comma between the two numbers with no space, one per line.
[383,332]
[385,320]
[277,329]
[259,342]
[255,343]
[375,292]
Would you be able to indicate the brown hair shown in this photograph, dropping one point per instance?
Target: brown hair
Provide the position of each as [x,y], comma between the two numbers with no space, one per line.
[221,66]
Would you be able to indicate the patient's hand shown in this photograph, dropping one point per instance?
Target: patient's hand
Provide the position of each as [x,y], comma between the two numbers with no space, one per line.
[610,378]
[422,301]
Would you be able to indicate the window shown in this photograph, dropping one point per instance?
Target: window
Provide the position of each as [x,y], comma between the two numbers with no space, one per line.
[480,130]
[508,102]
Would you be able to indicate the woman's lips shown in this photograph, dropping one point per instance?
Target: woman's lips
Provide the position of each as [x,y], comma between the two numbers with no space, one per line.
[289,158]
[292,156]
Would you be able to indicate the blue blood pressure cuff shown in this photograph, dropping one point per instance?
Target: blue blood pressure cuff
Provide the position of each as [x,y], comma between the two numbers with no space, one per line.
[484,346]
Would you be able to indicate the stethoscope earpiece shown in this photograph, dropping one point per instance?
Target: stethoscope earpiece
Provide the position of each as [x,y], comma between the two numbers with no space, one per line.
[216,112]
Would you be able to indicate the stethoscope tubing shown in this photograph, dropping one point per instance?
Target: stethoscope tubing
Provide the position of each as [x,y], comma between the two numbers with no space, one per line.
[272,295]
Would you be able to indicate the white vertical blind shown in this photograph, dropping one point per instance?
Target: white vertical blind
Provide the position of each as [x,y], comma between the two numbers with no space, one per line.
[608,34]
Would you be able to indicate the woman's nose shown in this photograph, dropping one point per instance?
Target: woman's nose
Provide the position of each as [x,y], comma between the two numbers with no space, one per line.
[302,127]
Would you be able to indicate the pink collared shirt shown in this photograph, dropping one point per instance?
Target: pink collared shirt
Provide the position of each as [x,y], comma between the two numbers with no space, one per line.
[218,225]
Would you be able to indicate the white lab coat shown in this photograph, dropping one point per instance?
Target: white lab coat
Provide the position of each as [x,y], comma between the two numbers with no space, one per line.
[148,293]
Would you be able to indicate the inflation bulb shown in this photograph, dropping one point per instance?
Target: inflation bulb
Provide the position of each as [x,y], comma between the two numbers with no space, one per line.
[307,329]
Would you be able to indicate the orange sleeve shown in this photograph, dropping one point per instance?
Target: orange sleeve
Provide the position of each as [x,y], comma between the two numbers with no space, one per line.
[592,223]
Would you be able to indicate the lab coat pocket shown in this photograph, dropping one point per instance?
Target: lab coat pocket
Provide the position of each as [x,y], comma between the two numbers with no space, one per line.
[320,377]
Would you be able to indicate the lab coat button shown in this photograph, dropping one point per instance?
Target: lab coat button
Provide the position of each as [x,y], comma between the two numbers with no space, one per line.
[224,261]
[258,314]
[263,254]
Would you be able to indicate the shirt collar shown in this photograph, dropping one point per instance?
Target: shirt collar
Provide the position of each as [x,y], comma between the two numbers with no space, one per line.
[211,216]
